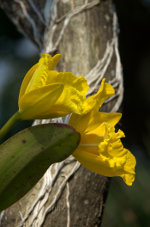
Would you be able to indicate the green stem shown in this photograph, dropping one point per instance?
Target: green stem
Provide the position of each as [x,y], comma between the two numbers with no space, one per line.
[9,124]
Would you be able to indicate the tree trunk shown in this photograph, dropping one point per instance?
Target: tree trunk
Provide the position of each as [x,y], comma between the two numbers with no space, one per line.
[85,33]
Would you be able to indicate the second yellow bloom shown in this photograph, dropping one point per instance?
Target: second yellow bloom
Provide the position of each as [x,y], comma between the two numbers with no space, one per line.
[100,149]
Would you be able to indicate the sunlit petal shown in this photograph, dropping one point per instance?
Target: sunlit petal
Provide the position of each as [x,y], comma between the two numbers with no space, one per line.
[43,99]
[35,100]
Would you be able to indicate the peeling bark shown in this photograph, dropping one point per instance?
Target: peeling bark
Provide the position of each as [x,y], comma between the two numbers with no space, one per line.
[85,33]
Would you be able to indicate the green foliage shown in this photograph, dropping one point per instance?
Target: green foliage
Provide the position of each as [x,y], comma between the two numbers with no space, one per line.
[25,157]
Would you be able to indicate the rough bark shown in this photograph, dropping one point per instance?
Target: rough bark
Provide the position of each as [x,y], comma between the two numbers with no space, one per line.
[85,33]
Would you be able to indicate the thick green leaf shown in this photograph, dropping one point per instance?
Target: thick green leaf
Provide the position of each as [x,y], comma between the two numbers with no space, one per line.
[25,157]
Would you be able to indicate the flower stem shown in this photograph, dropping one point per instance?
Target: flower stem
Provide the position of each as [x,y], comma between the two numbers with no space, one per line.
[9,124]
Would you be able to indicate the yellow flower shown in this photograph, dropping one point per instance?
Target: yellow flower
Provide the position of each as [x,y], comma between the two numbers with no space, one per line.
[100,149]
[46,93]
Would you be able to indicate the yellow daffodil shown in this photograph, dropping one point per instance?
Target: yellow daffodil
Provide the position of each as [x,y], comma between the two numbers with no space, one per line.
[100,149]
[46,93]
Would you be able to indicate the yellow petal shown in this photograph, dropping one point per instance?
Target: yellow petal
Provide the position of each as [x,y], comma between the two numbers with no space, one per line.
[45,63]
[39,78]
[129,167]
[26,80]
[51,77]
[79,83]
[73,95]
[69,79]
[49,61]
[38,103]
[108,167]
[96,101]
[92,120]
[55,60]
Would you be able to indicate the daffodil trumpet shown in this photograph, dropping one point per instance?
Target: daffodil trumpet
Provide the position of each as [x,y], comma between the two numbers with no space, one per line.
[100,149]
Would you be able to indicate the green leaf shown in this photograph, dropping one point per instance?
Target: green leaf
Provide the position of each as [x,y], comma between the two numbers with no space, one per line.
[25,157]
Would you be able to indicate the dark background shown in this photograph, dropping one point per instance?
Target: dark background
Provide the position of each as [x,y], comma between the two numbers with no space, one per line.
[125,206]
[130,206]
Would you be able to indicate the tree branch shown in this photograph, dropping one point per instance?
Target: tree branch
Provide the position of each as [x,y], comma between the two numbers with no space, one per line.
[85,32]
